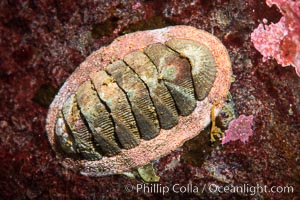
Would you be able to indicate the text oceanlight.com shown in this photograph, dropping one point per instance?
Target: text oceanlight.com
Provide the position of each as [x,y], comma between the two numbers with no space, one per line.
[212,188]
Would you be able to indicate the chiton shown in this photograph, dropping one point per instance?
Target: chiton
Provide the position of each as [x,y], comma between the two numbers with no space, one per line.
[138,99]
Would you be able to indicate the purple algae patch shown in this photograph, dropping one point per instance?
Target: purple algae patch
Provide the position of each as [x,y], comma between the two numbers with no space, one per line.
[239,129]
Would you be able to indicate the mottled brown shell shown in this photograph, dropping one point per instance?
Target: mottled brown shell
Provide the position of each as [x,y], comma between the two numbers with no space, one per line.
[138,99]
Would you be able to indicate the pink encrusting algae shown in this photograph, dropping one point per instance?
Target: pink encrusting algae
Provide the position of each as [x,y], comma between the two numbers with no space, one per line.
[239,129]
[281,40]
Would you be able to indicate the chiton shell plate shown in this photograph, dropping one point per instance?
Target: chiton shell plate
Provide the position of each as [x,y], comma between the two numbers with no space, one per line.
[188,124]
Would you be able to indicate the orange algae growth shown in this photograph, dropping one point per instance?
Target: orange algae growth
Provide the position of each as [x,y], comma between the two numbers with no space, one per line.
[215,131]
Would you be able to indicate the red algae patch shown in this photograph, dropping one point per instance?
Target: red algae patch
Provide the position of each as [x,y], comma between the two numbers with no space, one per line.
[137,151]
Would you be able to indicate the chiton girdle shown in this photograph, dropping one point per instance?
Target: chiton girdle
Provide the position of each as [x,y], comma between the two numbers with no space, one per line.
[123,105]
